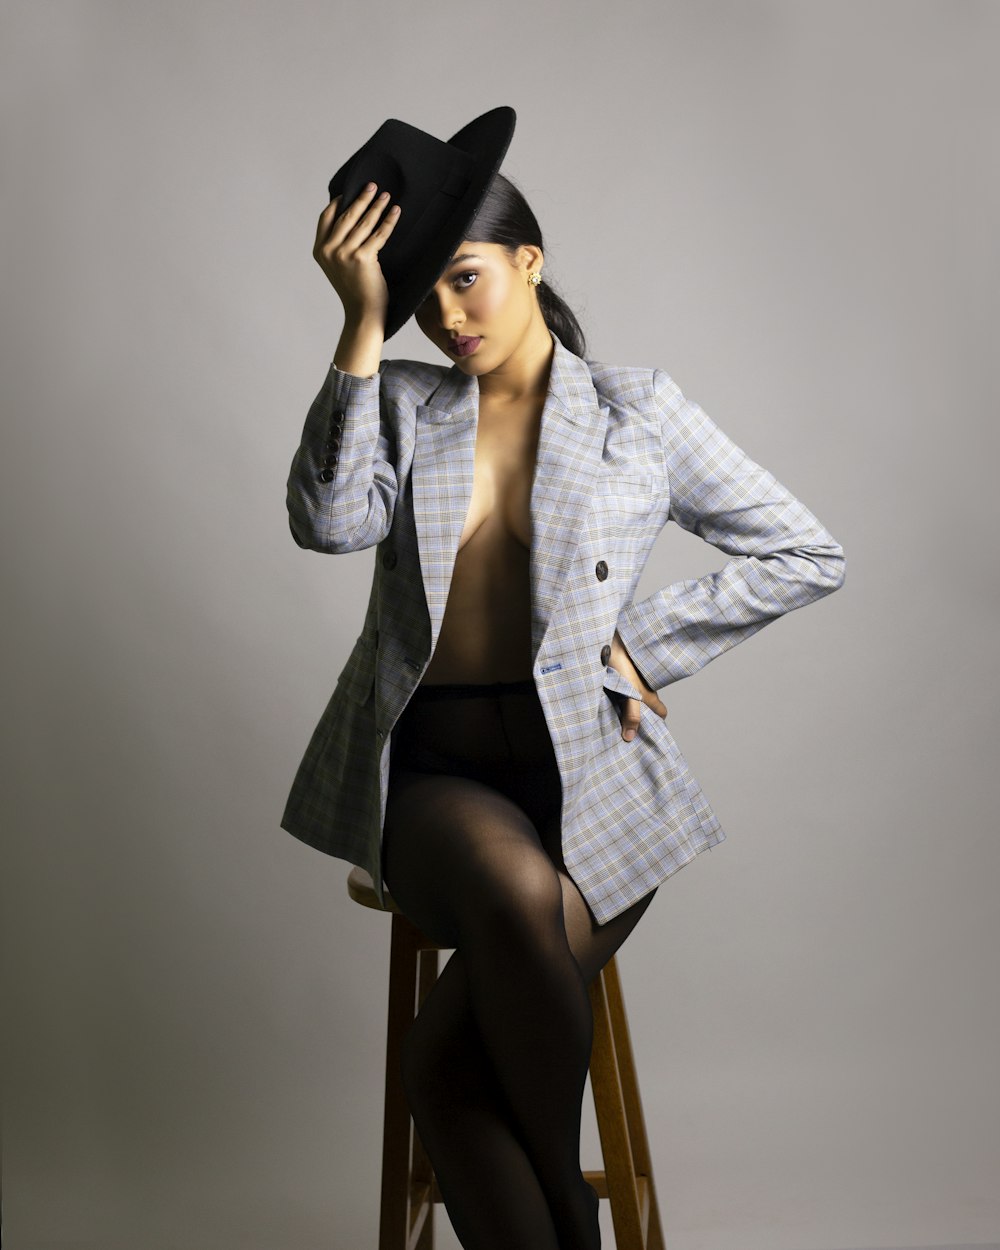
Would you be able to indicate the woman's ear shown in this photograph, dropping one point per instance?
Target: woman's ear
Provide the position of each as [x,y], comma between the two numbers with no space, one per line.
[530,258]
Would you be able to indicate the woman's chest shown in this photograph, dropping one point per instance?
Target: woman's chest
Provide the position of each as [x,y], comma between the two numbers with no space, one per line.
[503,470]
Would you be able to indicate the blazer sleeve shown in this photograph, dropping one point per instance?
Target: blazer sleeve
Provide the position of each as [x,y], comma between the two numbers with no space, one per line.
[784,557]
[342,487]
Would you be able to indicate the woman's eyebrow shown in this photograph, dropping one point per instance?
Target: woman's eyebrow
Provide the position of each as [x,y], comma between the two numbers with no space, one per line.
[464,256]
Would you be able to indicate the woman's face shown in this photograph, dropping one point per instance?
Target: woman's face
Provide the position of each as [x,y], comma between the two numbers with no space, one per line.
[483,293]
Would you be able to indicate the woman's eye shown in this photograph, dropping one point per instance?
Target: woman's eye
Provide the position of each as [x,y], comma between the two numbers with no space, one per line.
[457,283]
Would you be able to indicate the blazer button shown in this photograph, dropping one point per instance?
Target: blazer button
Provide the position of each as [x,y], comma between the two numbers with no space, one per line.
[330,461]
[601,570]
[333,442]
[389,560]
[605,654]
[326,475]
[338,416]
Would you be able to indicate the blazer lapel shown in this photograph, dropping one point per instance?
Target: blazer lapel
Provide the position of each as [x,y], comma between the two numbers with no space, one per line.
[563,490]
[566,482]
[441,482]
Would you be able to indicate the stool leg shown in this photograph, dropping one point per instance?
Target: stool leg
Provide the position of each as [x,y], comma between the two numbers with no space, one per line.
[633,1103]
[394,1218]
[424,1186]
[612,1125]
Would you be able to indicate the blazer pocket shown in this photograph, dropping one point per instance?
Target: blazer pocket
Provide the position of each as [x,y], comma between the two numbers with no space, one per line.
[358,675]
[622,499]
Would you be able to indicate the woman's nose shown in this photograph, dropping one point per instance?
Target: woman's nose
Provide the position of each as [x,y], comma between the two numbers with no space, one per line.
[448,316]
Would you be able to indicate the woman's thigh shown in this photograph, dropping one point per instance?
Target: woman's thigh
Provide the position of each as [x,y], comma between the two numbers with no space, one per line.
[455,849]
[473,781]
[446,841]
[473,817]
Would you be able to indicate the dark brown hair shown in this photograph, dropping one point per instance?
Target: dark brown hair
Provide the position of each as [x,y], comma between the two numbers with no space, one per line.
[505,218]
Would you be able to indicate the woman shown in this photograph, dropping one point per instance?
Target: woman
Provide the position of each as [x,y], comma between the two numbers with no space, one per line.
[476,831]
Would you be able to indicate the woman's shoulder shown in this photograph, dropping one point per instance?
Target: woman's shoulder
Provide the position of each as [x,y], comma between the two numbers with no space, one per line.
[618,385]
[626,385]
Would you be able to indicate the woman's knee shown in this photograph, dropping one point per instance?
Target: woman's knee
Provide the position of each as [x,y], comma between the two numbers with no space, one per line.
[595,949]
[437,1068]
[516,900]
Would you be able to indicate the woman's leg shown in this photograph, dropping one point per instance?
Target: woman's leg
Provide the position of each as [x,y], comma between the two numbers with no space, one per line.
[495,1064]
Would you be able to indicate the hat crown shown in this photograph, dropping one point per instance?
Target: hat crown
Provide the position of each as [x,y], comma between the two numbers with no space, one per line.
[395,150]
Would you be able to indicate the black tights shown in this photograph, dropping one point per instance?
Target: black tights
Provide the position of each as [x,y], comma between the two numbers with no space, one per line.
[495,1063]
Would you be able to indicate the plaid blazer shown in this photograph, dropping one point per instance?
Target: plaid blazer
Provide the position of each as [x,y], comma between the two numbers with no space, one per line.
[387,461]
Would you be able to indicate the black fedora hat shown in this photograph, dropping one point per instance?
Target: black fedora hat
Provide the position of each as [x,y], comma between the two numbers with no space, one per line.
[439,186]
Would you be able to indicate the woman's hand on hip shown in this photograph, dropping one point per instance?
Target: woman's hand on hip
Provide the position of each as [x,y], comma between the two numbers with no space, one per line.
[622,664]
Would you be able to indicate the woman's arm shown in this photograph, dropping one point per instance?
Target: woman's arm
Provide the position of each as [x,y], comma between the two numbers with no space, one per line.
[342,488]
[786,557]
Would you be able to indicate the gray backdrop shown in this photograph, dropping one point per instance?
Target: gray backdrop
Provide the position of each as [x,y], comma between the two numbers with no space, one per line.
[791,208]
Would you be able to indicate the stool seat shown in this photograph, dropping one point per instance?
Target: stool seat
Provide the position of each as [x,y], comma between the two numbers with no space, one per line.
[409,1187]
[361,888]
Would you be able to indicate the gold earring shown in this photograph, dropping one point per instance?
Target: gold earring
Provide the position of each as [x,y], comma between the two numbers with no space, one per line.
[534,278]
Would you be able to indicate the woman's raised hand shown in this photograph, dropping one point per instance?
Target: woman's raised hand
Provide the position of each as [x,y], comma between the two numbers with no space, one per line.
[621,662]
[346,249]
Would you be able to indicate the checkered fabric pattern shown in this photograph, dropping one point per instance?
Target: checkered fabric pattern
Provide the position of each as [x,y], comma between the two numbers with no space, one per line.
[387,462]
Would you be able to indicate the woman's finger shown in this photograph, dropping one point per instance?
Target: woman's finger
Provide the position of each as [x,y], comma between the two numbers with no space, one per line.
[376,240]
[630,718]
[328,215]
[335,221]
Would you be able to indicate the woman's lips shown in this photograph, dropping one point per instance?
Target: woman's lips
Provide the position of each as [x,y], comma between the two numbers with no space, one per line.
[464,346]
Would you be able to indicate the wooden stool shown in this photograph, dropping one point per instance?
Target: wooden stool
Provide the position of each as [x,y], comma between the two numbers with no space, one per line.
[409,1188]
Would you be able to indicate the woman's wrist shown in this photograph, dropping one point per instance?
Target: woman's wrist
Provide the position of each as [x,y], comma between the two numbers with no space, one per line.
[362,377]
[359,350]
